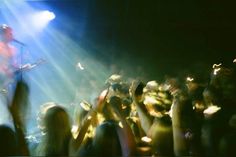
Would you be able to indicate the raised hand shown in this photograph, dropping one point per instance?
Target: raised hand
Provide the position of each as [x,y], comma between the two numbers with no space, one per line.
[98,106]
[136,90]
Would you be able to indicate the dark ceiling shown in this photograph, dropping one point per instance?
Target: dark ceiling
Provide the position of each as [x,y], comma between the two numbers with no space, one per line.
[171,35]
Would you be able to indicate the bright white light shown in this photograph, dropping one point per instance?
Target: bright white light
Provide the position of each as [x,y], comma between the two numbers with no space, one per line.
[79,65]
[42,18]
[48,15]
[216,71]
[151,86]
[74,128]
[189,79]
[86,106]
[211,110]
[216,68]
[146,139]
[121,125]
[74,131]
[216,65]
[150,100]
[234,61]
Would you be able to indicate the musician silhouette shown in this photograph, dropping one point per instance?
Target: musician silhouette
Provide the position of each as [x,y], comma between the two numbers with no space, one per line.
[10,64]
[7,62]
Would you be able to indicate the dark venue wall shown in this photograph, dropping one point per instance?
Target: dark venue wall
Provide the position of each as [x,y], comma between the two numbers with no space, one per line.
[164,37]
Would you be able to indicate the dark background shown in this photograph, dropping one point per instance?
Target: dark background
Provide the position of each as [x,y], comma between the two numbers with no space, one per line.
[161,37]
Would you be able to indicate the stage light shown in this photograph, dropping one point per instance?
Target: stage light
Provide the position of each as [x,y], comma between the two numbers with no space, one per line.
[42,18]
[48,15]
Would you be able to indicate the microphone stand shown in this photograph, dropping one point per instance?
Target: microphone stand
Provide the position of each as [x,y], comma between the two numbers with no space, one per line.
[21,58]
[17,75]
[22,45]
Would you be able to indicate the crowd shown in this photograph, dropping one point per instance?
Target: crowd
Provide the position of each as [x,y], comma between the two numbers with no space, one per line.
[133,117]
[176,117]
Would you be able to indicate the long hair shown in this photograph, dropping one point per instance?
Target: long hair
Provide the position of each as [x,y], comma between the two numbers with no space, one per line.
[106,141]
[58,132]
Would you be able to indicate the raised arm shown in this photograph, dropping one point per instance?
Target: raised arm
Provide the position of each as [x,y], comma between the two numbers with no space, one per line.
[126,137]
[18,109]
[145,118]
[76,143]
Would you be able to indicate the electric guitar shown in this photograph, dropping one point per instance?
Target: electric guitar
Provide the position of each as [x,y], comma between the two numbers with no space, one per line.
[29,66]
[6,79]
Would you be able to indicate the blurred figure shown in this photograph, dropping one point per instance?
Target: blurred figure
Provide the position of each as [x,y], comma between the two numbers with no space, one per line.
[18,109]
[57,136]
[8,142]
[113,133]
[195,87]
[228,141]
[154,121]
[80,114]
[125,134]
[7,63]
[7,51]
[221,103]
[11,62]
[20,104]
[8,59]
[106,141]
[183,118]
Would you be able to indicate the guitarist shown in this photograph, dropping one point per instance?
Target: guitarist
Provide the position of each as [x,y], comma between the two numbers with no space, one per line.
[7,53]
[10,65]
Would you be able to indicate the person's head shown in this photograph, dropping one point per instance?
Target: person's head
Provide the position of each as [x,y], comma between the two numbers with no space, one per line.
[173,85]
[6,33]
[57,121]
[57,132]
[195,88]
[223,82]
[8,143]
[211,96]
[41,114]
[106,141]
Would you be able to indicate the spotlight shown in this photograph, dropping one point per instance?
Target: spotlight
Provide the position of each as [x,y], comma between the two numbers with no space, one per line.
[42,18]
[48,15]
